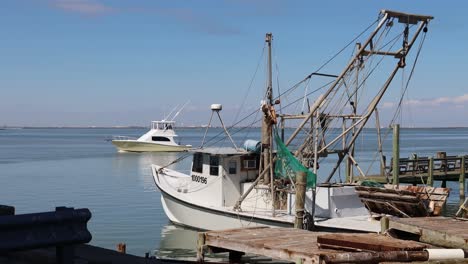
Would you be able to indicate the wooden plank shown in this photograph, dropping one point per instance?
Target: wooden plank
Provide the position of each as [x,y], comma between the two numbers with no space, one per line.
[237,230]
[264,242]
[440,231]
[283,254]
[252,235]
[373,242]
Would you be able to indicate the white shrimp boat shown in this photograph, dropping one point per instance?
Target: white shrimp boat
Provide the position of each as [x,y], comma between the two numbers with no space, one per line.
[159,138]
[255,185]
[208,197]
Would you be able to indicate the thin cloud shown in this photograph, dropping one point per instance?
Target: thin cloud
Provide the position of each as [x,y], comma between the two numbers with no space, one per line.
[387,105]
[84,7]
[187,17]
[197,21]
[457,101]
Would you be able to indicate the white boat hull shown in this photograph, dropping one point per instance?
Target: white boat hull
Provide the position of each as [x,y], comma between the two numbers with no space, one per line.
[183,213]
[139,146]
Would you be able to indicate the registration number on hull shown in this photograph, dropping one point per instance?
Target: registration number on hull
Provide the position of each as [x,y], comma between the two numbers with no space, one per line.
[200,179]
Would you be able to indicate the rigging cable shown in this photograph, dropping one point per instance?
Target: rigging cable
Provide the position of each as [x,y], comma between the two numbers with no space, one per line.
[292,88]
[333,57]
[397,111]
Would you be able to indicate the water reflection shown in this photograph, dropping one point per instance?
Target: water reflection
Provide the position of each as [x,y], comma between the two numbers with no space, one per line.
[124,161]
[146,159]
[177,242]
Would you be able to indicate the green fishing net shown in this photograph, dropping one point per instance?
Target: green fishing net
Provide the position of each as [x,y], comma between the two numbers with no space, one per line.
[287,165]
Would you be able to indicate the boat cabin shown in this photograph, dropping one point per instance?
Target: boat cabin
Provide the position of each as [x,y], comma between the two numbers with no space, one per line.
[161,132]
[162,125]
[224,171]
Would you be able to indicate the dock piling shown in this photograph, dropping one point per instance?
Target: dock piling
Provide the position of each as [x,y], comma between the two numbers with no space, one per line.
[201,248]
[384,224]
[430,177]
[301,181]
[122,248]
[462,178]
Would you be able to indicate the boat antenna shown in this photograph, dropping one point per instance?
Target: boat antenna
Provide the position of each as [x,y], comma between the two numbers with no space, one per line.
[178,112]
[217,108]
[170,113]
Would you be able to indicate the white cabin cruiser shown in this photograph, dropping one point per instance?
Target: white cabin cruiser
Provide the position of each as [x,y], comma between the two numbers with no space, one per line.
[159,138]
[232,187]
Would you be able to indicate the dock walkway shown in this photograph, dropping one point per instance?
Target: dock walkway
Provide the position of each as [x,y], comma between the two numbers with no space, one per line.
[439,231]
[303,246]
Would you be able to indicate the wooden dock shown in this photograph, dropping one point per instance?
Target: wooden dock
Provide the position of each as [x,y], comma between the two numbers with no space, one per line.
[439,231]
[303,246]
[425,170]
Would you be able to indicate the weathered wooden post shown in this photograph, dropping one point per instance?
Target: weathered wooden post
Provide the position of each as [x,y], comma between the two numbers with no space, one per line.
[444,184]
[122,248]
[301,181]
[396,155]
[384,224]
[430,177]
[462,178]
[201,248]
[7,210]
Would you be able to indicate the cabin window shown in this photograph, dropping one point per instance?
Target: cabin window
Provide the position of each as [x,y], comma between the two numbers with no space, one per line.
[197,165]
[232,167]
[214,165]
[161,139]
[250,164]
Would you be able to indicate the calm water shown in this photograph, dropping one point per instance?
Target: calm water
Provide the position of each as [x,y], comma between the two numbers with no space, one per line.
[44,168]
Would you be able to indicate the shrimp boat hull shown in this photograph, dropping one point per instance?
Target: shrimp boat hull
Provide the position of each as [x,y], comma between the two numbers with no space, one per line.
[186,214]
[138,146]
[181,210]
[205,201]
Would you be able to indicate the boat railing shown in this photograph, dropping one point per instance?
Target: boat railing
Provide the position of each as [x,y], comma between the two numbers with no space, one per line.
[123,138]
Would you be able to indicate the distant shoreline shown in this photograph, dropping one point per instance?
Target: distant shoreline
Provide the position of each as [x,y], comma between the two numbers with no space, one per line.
[179,127]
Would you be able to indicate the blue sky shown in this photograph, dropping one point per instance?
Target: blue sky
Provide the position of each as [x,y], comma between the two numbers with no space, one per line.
[106,63]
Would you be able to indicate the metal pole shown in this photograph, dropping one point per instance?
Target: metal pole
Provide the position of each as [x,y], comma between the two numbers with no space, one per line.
[350,64]
[282,128]
[206,131]
[246,193]
[462,178]
[396,155]
[225,130]
[348,164]
[272,180]
[363,121]
[379,142]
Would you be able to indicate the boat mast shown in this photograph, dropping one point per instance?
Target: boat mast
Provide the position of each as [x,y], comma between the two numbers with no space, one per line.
[266,119]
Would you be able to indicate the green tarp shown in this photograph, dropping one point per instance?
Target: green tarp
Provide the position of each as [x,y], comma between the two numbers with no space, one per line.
[287,165]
